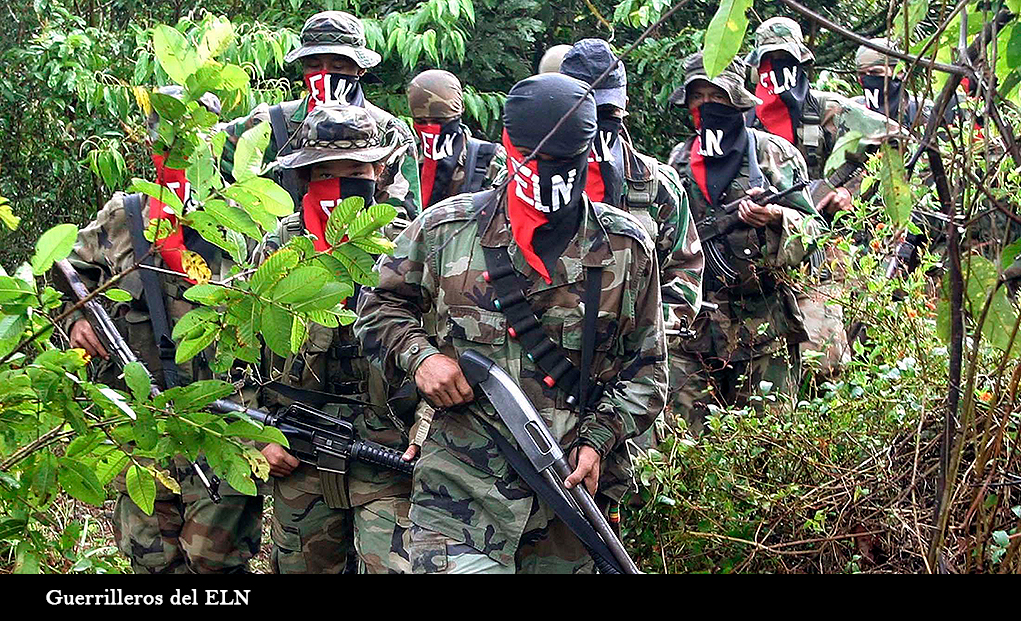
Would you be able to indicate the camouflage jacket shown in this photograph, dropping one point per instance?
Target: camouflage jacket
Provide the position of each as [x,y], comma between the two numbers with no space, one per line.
[463,485]
[495,174]
[827,118]
[399,185]
[751,319]
[653,193]
[331,361]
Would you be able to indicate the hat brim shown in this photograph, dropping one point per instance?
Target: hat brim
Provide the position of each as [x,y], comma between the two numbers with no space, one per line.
[800,52]
[746,100]
[309,156]
[611,96]
[363,56]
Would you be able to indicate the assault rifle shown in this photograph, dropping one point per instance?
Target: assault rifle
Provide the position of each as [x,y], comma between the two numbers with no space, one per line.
[315,437]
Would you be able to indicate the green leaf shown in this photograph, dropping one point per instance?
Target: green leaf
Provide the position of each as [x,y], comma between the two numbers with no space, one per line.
[1013,52]
[110,466]
[168,107]
[848,143]
[143,429]
[194,322]
[141,488]
[330,295]
[916,13]
[239,476]
[375,245]
[198,395]
[233,218]
[273,269]
[250,150]
[371,220]
[724,36]
[252,430]
[117,295]
[299,332]
[276,330]
[358,263]
[340,218]
[190,347]
[897,198]
[80,481]
[258,193]
[176,56]
[82,445]
[159,192]
[138,380]
[7,216]
[1001,538]
[207,294]
[26,561]
[45,475]
[999,322]
[54,245]
[217,38]
[13,289]
[299,285]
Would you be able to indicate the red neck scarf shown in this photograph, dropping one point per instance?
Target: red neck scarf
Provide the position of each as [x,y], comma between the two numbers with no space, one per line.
[698,170]
[172,245]
[522,194]
[594,186]
[319,201]
[773,111]
[428,133]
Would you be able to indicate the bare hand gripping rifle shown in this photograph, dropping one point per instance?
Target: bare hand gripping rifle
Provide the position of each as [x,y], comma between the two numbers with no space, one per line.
[315,437]
[547,458]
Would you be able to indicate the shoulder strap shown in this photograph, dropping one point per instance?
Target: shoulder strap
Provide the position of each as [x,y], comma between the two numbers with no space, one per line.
[480,153]
[153,291]
[755,177]
[288,177]
[524,323]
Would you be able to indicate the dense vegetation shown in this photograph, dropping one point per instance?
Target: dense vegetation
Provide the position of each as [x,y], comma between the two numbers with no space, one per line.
[889,469]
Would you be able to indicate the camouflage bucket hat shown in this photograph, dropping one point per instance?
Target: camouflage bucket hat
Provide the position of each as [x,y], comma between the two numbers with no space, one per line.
[867,57]
[779,34]
[731,80]
[338,133]
[335,32]
[435,94]
[551,60]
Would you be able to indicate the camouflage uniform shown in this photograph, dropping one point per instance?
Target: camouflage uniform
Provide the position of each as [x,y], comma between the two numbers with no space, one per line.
[340,33]
[752,336]
[437,94]
[825,118]
[321,519]
[187,532]
[912,106]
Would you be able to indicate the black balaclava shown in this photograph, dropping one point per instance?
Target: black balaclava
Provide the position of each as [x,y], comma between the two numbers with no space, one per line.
[608,156]
[533,107]
[723,141]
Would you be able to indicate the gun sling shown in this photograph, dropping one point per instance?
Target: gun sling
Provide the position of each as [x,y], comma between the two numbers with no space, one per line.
[288,176]
[477,158]
[525,325]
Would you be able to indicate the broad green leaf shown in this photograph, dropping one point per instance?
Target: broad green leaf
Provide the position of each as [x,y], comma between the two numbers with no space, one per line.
[330,296]
[45,475]
[258,194]
[276,330]
[167,481]
[725,35]
[141,488]
[168,107]
[54,245]
[233,218]
[341,217]
[375,245]
[1001,538]
[358,263]
[250,150]
[893,182]
[324,318]
[176,56]
[144,429]
[233,77]
[848,143]
[82,445]
[12,529]
[1013,53]
[299,332]
[254,431]
[198,395]
[257,461]
[159,192]
[207,294]
[26,561]
[273,269]
[217,37]
[303,245]
[371,220]
[110,465]
[299,285]
[190,347]
[981,277]
[13,289]
[117,295]
[194,322]
[80,481]
[138,380]
[1010,253]
[239,476]
[7,216]
[916,10]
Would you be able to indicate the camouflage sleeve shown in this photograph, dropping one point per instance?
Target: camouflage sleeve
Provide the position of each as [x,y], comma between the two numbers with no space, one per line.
[843,116]
[235,129]
[497,171]
[631,404]
[801,225]
[678,249]
[400,184]
[389,323]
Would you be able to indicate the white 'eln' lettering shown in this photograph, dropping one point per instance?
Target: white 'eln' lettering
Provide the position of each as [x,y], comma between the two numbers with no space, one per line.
[712,146]
[872,98]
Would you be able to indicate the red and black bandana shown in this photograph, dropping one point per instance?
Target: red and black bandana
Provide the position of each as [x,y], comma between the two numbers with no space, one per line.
[323,195]
[605,181]
[783,89]
[326,88]
[719,149]
[441,148]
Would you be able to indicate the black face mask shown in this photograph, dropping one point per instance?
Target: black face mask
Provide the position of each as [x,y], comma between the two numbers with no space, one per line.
[328,88]
[882,93]
[608,152]
[723,140]
[795,91]
[356,186]
[561,184]
[445,150]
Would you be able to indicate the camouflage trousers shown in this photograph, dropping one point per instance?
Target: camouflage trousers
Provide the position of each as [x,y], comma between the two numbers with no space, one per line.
[309,537]
[826,351]
[700,379]
[189,533]
[547,546]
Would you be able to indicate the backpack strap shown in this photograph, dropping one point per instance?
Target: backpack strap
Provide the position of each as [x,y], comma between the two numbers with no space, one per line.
[287,177]
[153,291]
[476,164]
[755,176]
[524,322]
